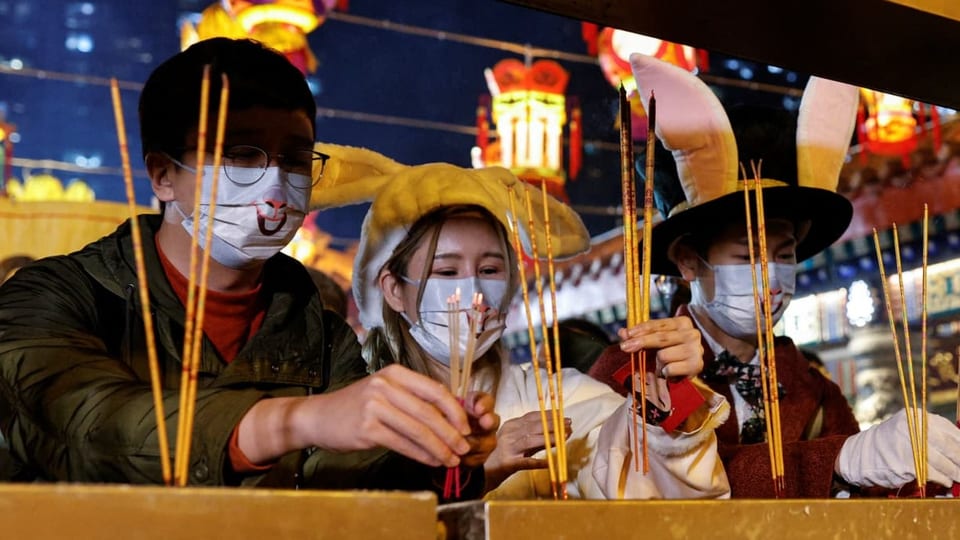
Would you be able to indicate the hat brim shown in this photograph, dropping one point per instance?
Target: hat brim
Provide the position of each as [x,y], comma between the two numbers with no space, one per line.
[827,212]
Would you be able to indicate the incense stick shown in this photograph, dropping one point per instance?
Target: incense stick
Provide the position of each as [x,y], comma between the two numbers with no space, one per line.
[142,286]
[646,255]
[761,349]
[531,334]
[548,356]
[911,407]
[453,321]
[476,315]
[771,357]
[925,464]
[631,266]
[911,428]
[180,467]
[197,340]
[559,428]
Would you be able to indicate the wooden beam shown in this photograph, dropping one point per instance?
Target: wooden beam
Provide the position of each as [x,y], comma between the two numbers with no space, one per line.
[943,8]
[879,44]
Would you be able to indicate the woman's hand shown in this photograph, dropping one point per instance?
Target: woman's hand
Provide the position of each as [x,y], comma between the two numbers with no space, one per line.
[484,423]
[518,440]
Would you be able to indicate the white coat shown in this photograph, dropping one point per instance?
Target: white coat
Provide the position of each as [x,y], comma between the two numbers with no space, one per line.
[600,465]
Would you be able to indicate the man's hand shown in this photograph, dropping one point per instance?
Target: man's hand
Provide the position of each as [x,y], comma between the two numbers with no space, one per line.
[679,351]
[882,455]
[395,408]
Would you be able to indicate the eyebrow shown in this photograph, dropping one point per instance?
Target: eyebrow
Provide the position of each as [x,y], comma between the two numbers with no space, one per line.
[294,140]
[786,243]
[457,256]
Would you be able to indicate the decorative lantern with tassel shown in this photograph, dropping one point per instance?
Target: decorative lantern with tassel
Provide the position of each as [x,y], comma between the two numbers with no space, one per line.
[886,124]
[280,24]
[529,110]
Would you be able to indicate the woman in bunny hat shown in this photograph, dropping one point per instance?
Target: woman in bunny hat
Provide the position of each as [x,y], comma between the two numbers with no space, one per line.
[704,240]
[434,229]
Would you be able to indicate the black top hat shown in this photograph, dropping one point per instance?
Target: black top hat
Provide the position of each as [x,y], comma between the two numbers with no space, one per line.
[698,184]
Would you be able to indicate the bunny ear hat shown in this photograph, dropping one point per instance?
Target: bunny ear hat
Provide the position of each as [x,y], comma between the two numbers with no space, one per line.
[799,159]
[402,194]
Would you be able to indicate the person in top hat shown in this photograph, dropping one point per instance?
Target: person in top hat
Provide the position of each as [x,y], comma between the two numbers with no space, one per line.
[704,240]
[434,229]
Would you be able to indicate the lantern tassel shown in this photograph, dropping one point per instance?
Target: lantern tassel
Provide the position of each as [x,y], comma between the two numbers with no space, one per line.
[483,127]
[862,134]
[590,32]
[576,139]
[935,120]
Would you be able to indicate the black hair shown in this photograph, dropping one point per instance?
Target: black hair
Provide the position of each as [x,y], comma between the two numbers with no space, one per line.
[581,343]
[13,263]
[169,106]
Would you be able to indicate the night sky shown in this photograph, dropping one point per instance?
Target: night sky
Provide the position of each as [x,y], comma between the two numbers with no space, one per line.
[65,114]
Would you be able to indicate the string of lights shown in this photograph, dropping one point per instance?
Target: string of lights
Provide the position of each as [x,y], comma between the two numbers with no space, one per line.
[528,51]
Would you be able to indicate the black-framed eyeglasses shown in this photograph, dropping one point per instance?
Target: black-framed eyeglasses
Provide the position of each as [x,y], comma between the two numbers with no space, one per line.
[245,164]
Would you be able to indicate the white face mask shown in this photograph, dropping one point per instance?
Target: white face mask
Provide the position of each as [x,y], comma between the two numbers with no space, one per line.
[432,330]
[251,223]
[732,306]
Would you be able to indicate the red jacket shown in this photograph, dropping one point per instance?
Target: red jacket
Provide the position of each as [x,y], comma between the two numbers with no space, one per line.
[809,449]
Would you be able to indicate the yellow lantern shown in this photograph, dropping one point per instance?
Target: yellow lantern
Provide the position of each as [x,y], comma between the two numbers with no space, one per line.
[529,109]
[281,24]
[46,187]
[886,124]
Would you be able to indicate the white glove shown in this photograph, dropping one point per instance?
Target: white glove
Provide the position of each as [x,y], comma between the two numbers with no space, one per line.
[882,456]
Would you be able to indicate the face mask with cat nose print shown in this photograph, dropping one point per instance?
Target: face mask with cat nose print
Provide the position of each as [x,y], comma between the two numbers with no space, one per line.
[251,223]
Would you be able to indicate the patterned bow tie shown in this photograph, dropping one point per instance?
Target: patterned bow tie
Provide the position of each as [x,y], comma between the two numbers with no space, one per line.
[746,379]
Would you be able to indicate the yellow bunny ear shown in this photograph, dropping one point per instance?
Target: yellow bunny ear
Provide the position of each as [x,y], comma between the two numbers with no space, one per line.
[352,175]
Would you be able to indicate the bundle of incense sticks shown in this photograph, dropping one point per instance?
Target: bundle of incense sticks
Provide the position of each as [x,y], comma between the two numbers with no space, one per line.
[763,314]
[559,425]
[196,301]
[460,371]
[550,400]
[196,296]
[554,381]
[637,266]
[916,413]
[552,464]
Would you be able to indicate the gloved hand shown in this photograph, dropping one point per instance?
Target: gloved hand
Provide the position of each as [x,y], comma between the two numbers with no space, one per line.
[882,456]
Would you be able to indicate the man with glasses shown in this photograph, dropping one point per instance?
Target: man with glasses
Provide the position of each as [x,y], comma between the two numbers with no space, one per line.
[283,397]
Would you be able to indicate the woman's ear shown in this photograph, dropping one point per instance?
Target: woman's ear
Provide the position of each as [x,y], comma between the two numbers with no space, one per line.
[686,259]
[392,289]
[159,168]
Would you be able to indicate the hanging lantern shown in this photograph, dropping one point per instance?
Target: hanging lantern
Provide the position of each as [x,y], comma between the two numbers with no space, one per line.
[280,24]
[46,187]
[614,48]
[886,123]
[529,109]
